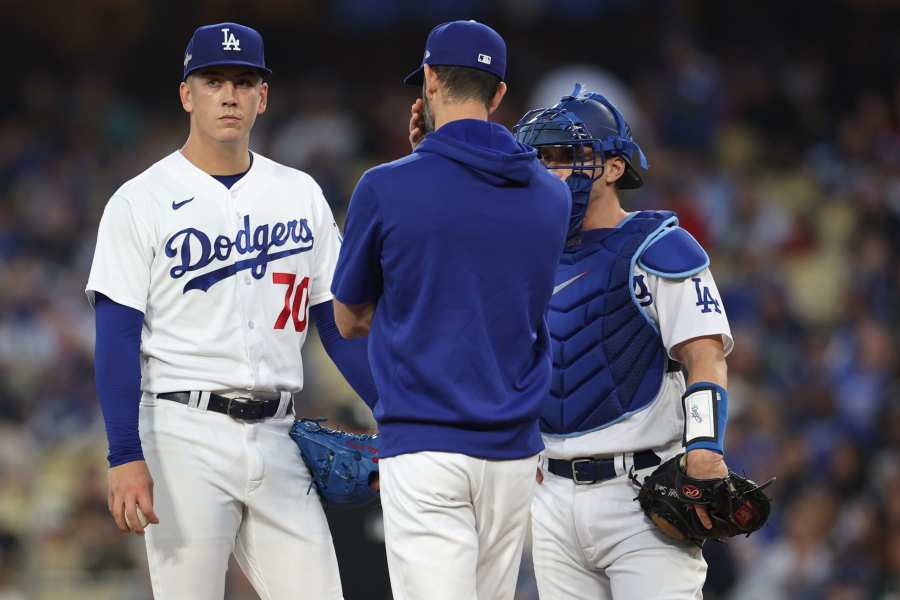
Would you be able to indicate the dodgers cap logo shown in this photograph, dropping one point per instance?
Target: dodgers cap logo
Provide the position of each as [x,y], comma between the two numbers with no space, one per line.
[462,44]
[225,44]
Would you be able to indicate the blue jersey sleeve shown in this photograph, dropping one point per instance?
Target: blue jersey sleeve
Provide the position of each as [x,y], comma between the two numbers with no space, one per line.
[351,357]
[117,370]
[358,276]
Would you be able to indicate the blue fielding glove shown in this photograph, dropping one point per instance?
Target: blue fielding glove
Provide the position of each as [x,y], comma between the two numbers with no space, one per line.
[343,465]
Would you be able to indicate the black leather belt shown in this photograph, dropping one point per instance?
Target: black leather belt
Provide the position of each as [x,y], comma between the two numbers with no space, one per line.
[584,471]
[239,408]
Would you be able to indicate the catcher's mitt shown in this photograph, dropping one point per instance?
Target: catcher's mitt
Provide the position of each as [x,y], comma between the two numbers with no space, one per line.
[736,505]
[343,465]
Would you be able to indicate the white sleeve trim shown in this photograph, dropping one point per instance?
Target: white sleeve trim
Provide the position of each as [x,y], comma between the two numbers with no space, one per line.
[91,293]
[727,342]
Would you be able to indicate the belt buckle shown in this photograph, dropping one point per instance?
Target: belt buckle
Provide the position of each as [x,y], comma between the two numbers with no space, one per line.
[235,410]
[577,481]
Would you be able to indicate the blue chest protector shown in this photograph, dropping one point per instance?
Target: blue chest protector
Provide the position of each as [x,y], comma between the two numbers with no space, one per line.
[608,358]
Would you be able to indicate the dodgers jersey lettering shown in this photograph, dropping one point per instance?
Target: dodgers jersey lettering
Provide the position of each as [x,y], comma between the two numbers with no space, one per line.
[230,271]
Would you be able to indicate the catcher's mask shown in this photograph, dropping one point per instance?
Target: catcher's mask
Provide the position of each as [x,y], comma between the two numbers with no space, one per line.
[584,118]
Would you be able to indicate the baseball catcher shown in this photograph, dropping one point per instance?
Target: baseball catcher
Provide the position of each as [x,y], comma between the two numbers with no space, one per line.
[735,505]
[343,466]
[640,337]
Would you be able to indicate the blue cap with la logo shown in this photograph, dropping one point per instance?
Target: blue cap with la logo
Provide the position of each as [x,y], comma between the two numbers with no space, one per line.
[462,44]
[225,44]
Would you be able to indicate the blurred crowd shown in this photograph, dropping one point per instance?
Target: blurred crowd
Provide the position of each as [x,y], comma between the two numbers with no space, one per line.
[781,157]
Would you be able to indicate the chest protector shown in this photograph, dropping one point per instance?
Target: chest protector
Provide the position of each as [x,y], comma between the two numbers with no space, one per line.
[608,357]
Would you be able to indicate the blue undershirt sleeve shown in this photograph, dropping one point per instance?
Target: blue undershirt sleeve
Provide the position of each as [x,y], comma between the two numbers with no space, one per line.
[117,370]
[350,356]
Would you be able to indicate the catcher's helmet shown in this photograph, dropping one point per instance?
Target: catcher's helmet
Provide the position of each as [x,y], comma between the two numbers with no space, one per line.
[584,118]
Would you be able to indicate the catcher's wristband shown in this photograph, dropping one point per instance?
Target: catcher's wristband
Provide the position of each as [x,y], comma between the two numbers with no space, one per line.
[705,415]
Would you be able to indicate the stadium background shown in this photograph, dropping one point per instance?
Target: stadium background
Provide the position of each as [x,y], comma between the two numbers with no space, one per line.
[773,128]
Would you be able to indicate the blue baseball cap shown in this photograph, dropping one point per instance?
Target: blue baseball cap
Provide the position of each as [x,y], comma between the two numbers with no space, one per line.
[225,44]
[462,44]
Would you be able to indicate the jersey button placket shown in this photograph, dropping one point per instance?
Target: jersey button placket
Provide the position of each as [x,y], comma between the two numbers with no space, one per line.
[240,303]
[253,315]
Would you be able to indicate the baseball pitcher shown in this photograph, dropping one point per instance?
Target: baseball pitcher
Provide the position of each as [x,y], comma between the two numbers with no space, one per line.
[207,268]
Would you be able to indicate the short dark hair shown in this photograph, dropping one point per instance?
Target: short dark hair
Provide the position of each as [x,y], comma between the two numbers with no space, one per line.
[466,83]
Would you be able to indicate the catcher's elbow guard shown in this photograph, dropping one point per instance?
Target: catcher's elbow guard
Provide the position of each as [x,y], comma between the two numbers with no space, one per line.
[705,415]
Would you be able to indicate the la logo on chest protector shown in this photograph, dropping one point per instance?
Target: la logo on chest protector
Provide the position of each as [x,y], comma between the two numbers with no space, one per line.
[194,250]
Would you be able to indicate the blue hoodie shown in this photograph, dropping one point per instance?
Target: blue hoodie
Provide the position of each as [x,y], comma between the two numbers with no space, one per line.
[458,245]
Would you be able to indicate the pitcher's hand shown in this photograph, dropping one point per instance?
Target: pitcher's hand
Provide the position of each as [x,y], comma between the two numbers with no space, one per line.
[131,487]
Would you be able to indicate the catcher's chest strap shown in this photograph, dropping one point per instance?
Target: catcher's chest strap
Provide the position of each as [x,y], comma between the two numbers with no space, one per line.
[239,408]
[584,471]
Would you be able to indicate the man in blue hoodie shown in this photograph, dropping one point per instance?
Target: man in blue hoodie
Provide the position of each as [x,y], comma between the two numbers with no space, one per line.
[448,263]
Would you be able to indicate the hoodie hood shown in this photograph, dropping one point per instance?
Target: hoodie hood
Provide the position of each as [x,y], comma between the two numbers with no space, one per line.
[486,148]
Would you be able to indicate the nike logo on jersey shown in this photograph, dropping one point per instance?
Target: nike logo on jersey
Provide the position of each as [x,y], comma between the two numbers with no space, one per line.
[567,283]
[177,205]
[196,251]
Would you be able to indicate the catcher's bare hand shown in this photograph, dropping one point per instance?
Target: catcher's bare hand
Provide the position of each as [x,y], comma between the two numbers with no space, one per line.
[705,464]
[416,123]
[130,486]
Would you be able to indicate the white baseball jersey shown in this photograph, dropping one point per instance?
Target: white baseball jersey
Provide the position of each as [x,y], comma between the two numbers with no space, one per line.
[224,277]
[682,310]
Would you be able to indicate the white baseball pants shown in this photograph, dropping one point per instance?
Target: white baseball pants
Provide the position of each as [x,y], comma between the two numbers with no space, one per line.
[223,486]
[593,542]
[455,525]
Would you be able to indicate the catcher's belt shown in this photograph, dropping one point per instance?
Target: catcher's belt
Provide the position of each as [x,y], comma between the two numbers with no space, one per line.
[585,471]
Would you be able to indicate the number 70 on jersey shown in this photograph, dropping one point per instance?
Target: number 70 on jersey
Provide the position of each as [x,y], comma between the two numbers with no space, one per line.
[296,301]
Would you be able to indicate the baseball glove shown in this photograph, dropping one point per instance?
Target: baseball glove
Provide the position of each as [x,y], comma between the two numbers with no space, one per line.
[736,505]
[343,465]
